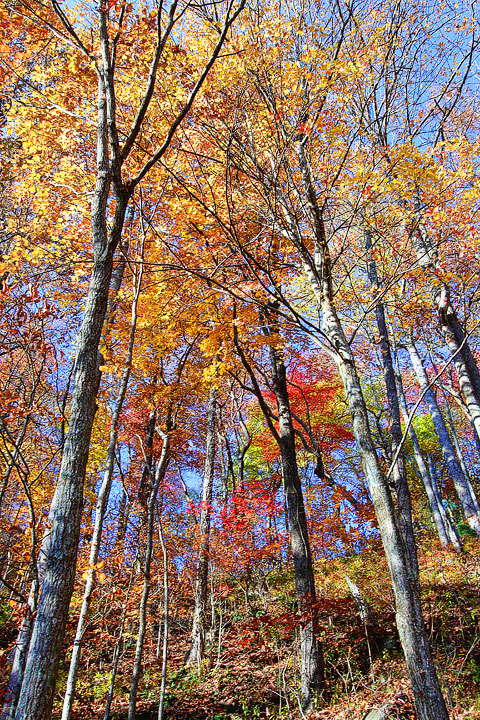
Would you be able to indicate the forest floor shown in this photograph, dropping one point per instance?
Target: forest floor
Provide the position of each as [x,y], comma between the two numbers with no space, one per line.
[253,671]
[251,668]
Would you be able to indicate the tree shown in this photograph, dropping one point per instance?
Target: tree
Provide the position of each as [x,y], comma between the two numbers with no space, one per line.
[197,649]
[112,156]
[312,679]
[286,167]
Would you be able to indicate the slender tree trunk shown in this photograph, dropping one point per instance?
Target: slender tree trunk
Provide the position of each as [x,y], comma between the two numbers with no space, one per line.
[165,619]
[121,523]
[118,273]
[447,532]
[463,487]
[102,501]
[364,608]
[453,432]
[432,468]
[22,643]
[469,374]
[404,504]
[197,649]
[20,655]
[460,353]
[421,669]
[312,660]
[429,701]
[142,612]
[312,667]
[244,436]
[118,646]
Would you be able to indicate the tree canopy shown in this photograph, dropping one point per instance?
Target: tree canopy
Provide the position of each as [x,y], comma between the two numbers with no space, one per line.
[239,359]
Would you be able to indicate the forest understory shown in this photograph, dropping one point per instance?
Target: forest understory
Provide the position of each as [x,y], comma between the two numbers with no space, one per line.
[251,668]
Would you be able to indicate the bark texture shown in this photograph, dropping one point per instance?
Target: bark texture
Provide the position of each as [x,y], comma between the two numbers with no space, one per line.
[429,701]
[463,487]
[404,504]
[446,530]
[312,666]
[197,649]
[454,334]
[312,672]
[60,548]
[100,508]
[20,656]
[38,686]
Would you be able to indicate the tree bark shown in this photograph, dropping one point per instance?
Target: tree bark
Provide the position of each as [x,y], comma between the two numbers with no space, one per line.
[429,701]
[312,671]
[363,606]
[20,655]
[460,352]
[102,501]
[447,532]
[47,638]
[404,504]
[118,646]
[312,666]
[463,487]
[465,363]
[142,612]
[163,683]
[123,513]
[38,687]
[197,648]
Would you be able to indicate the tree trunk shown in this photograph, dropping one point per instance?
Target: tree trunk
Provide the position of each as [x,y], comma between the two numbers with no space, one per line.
[36,696]
[448,320]
[197,649]
[65,514]
[23,640]
[123,514]
[118,646]
[363,606]
[142,612]
[463,487]
[471,367]
[453,431]
[429,701]
[404,504]
[447,532]
[165,619]
[311,668]
[20,655]
[312,677]
[459,353]
[102,501]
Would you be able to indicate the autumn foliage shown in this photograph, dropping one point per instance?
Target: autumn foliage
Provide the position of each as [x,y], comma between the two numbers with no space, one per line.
[239,357]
